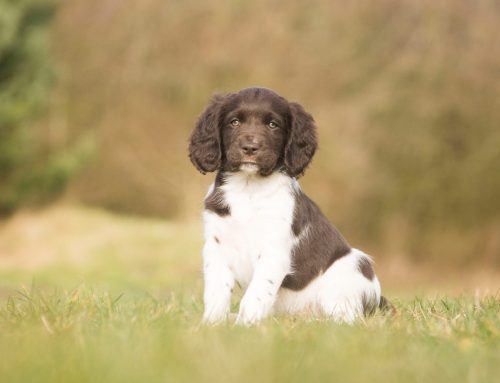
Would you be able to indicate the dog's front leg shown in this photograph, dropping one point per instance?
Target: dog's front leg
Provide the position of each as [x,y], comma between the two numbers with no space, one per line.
[219,282]
[261,293]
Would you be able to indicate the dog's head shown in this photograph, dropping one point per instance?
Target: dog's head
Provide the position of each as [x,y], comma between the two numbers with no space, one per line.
[254,130]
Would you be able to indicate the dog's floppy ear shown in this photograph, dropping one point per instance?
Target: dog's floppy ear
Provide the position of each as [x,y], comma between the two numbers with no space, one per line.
[204,144]
[302,141]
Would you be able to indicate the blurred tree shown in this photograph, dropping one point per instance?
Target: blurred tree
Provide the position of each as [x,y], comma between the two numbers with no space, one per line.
[27,172]
[434,144]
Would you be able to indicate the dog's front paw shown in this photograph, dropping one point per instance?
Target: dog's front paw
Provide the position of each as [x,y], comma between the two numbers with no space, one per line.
[215,313]
[211,319]
[252,311]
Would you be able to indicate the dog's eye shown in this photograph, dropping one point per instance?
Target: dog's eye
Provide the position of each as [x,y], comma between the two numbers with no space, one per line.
[235,122]
[273,125]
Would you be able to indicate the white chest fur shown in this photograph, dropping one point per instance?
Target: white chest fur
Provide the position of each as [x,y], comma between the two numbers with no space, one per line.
[259,223]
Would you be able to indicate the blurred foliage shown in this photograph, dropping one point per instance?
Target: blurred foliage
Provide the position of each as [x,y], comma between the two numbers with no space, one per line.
[435,141]
[30,170]
[405,94]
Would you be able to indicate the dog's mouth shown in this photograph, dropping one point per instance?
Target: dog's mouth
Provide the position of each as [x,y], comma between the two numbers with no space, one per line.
[249,166]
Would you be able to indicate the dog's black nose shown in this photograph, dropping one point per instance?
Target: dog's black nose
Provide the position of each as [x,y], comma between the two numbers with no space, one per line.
[250,148]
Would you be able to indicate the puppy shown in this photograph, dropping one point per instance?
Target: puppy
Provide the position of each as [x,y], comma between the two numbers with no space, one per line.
[261,231]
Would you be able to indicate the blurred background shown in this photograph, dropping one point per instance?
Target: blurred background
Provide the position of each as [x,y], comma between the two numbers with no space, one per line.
[98,98]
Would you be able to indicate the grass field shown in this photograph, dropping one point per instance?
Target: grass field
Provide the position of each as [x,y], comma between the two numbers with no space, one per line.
[86,296]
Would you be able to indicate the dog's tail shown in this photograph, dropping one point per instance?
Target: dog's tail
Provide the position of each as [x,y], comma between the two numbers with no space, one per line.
[385,306]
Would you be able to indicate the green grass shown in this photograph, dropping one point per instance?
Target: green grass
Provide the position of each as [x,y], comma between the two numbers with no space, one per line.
[83,335]
[114,299]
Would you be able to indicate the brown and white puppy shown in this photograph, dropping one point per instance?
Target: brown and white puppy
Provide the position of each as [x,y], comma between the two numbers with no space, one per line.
[261,230]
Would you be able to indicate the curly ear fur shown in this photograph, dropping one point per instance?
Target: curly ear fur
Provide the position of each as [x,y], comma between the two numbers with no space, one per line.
[302,141]
[205,142]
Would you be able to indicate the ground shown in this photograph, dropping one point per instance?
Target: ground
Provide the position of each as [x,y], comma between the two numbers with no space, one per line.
[88,296]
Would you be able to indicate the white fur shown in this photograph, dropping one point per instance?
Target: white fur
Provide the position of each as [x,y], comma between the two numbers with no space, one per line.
[253,245]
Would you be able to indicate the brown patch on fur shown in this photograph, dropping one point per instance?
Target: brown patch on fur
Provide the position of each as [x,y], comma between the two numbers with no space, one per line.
[366,268]
[320,246]
[215,201]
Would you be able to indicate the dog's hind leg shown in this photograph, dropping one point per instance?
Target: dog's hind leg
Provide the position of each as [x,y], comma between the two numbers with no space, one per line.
[348,290]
